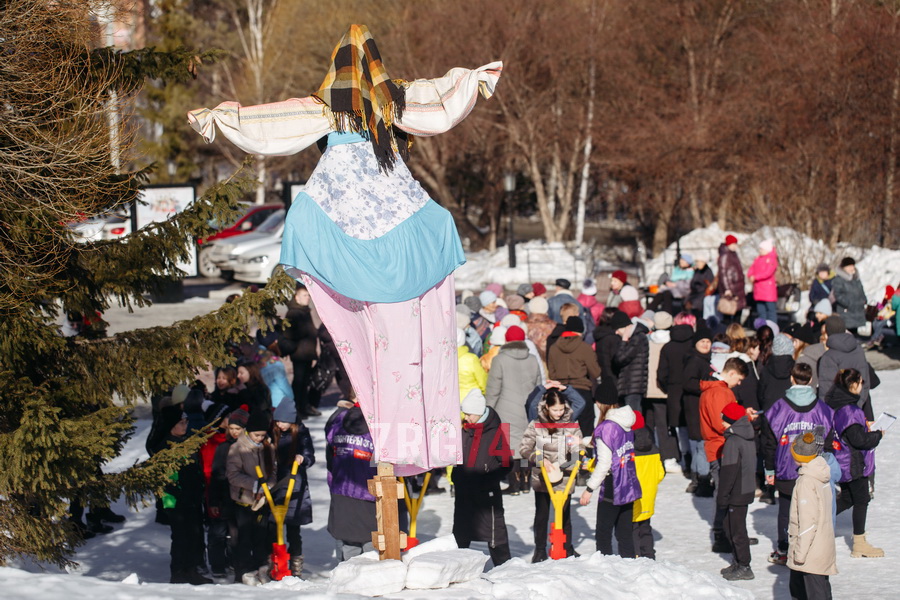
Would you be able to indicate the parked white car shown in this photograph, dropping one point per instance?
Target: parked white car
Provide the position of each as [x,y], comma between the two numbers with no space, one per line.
[259,264]
[226,253]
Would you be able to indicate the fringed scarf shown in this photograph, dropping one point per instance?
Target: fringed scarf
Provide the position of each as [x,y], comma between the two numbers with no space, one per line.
[362,96]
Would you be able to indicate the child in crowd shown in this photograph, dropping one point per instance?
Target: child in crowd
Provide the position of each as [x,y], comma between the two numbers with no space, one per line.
[228,388]
[222,536]
[854,448]
[811,554]
[736,486]
[798,412]
[292,442]
[615,475]
[557,439]
[650,473]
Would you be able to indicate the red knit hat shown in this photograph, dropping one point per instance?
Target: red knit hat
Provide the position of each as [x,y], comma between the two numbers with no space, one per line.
[538,288]
[638,421]
[733,412]
[620,275]
[730,239]
[515,334]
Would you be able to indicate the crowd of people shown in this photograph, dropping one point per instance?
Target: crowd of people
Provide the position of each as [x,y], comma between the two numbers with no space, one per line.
[555,383]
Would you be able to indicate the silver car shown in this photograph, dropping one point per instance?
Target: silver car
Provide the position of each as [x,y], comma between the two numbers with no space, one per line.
[225,254]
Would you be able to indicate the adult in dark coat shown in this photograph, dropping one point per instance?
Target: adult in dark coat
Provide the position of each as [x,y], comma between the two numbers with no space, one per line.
[844,352]
[697,368]
[299,342]
[775,376]
[700,282]
[821,287]
[849,295]
[478,505]
[630,363]
[606,342]
[670,373]
[731,273]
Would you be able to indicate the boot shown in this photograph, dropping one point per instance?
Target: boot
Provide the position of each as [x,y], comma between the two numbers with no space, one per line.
[721,544]
[82,529]
[692,486]
[730,567]
[190,576]
[863,549]
[248,578]
[540,555]
[106,515]
[740,573]
[297,566]
[96,525]
[705,488]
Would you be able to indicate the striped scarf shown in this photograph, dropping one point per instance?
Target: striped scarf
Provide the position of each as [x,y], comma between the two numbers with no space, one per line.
[362,96]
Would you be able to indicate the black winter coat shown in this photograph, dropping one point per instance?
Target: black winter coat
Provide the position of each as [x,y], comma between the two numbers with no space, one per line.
[606,343]
[670,373]
[300,509]
[478,506]
[774,380]
[737,467]
[697,368]
[855,437]
[699,284]
[298,341]
[630,362]
[731,276]
[746,392]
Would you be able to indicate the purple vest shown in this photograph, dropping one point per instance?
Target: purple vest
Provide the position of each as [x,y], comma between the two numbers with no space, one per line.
[351,464]
[787,424]
[626,487]
[844,417]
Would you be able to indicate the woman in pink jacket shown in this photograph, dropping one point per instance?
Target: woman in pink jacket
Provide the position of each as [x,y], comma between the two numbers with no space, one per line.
[762,274]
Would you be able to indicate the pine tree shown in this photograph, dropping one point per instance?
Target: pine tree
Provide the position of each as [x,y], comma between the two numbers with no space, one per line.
[65,402]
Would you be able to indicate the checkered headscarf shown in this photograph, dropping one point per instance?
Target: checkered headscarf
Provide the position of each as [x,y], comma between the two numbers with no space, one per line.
[362,96]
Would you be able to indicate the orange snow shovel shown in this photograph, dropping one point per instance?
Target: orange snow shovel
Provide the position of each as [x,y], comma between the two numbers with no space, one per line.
[559,499]
[280,556]
[412,507]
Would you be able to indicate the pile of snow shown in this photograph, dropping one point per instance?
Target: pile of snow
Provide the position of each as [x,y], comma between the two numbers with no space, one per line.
[798,256]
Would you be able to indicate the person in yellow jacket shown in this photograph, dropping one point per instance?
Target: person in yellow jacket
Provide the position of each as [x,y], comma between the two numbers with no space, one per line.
[471,374]
[650,473]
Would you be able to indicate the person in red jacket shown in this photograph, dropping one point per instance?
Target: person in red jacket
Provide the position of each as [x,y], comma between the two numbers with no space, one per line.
[714,397]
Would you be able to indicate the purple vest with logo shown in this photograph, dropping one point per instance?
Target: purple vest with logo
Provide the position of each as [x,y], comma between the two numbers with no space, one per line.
[844,417]
[787,424]
[351,464]
[626,487]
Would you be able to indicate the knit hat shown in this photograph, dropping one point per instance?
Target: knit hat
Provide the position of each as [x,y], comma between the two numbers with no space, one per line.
[538,288]
[460,337]
[515,302]
[516,334]
[510,320]
[687,258]
[760,322]
[620,275]
[462,321]
[648,316]
[629,294]
[474,403]
[847,261]
[808,445]
[239,416]
[639,422]
[486,297]
[180,394]
[823,267]
[733,412]
[286,411]
[824,306]
[498,335]
[574,324]
[524,289]
[539,306]
[496,288]
[662,320]
[563,283]
[619,320]
[730,239]
[702,333]
[259,420]
[782,345]
[588,287]
[767,245]
[606,392]
[215,411]
[808,334]
[473,303]
[835,324]
[501,311]
[169,417]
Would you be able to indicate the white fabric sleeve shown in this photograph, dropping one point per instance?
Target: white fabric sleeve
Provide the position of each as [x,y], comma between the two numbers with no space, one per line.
[601,467]
[434,106]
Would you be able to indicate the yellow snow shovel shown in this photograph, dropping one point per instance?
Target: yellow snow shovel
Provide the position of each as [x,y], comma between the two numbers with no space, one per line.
[559,499]
[280,556]
[412,507]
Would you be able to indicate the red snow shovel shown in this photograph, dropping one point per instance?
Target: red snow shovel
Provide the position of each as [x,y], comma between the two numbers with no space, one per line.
[280,556]
[559,499]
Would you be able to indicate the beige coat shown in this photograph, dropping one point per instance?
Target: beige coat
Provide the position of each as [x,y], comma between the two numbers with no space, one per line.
[558,445]
[656,340]
[240,469]
[811,531]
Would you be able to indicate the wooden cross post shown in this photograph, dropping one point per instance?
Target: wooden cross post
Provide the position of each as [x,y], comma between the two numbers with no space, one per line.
[388,540]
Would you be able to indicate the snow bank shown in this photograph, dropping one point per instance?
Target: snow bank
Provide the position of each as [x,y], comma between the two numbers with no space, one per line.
[364,575]
[439,569]
[438,544]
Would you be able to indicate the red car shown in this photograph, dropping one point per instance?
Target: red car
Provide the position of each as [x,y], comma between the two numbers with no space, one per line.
[253,217]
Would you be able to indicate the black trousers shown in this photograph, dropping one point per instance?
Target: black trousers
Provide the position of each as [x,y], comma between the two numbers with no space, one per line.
[294,540]
[615,518]
[300,384]
[806,586]
[586,418]
[784,518]
[643,539]
[221,539]
[499,553]
[856,494]
[186,523]
[543,509]
[253,549]
[735,525]
[655,416]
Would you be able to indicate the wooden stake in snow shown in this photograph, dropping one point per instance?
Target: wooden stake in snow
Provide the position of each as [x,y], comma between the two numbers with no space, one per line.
[388,540]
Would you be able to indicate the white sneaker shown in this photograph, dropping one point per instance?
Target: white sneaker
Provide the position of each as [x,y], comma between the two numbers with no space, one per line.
[250,578]
[671,466]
